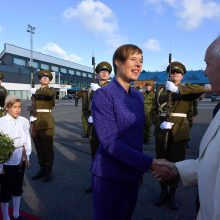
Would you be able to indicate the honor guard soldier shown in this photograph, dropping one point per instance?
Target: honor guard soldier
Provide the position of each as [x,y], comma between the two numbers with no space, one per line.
[148,104]
[43,125]
[177,125]
[3,94]
[84,117]
[103,71]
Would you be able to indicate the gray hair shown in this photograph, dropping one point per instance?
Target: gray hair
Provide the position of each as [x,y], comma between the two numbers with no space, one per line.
[216,47]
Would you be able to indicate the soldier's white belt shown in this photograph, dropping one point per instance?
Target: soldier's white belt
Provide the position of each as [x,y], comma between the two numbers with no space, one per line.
[43,110]
[178,115]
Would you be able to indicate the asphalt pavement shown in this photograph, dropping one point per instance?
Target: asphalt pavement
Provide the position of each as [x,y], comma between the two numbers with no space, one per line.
[64,197]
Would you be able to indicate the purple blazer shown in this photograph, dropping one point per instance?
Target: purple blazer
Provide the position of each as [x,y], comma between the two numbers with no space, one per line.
[118,118]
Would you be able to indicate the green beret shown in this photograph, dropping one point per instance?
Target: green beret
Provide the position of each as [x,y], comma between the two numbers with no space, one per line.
[45,73]
[177,66]
[103,66]
[1,75]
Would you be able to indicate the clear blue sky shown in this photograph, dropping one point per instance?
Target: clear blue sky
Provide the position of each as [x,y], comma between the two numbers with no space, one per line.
[73,29]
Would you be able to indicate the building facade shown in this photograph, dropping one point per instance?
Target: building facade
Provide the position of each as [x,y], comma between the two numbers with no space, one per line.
[67,76]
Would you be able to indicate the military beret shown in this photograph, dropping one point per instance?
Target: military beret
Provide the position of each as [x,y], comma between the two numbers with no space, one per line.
[1,75]
[177,66]
[45,73]
[103,66]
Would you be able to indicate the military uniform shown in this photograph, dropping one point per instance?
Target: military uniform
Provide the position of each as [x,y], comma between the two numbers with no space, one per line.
[43,128]
[94,142]
[87,113]
[179,135]
[148,104]
[3,94]
[192,112]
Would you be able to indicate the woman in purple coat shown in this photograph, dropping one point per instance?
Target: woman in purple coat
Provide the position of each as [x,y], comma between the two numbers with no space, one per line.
[119,121]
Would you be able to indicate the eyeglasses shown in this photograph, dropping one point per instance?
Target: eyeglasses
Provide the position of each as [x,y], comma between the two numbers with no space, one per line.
[176,71]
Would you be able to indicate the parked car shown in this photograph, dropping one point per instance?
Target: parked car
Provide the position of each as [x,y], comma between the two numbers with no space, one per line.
[215,97]
[68,96]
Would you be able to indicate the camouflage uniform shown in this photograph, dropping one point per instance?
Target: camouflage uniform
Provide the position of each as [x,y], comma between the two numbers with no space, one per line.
[43,129]
[148,104]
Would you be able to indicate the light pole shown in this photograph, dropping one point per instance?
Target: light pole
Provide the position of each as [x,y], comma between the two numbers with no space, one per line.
[31,30]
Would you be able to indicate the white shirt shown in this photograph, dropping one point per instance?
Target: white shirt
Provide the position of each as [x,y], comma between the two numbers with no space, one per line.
[18,130]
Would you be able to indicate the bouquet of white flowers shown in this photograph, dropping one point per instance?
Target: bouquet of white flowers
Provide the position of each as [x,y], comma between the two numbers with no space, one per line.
[6,147]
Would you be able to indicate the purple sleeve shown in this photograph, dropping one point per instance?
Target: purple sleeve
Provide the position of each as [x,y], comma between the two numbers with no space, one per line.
[104,119]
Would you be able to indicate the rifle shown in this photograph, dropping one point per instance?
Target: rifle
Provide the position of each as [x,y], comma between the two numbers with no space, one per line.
[168,105]
[94,75]
[32,109]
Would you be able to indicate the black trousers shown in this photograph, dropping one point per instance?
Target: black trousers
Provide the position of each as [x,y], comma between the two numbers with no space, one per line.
[11,182]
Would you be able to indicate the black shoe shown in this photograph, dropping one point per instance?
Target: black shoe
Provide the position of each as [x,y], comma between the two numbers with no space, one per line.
[88,190]
[39,174]
[48,175]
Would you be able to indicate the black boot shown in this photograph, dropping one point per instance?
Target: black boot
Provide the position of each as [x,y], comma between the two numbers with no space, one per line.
[163,195]
[48,175]
[172,204]
[39,174]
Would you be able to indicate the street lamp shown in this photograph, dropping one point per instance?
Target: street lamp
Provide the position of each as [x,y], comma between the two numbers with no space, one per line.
[31,30]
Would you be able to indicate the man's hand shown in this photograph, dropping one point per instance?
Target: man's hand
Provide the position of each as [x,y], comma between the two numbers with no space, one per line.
[164,170]
[33,91]
[166,125]
[170,86]
[95,86]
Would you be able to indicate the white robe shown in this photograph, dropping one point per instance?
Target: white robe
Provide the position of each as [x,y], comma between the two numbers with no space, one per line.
[205,171]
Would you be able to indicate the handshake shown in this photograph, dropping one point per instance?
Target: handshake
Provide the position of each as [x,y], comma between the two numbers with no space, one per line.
[164,171]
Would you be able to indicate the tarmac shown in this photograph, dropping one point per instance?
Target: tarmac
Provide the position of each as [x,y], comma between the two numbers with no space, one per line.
[64,197]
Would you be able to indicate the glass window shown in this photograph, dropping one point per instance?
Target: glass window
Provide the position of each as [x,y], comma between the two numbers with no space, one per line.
[71,72]
[78,73]
[36,65]
[19,61]
[55,68]
[63,70]
[44,66]
[84,74]
[89,75]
